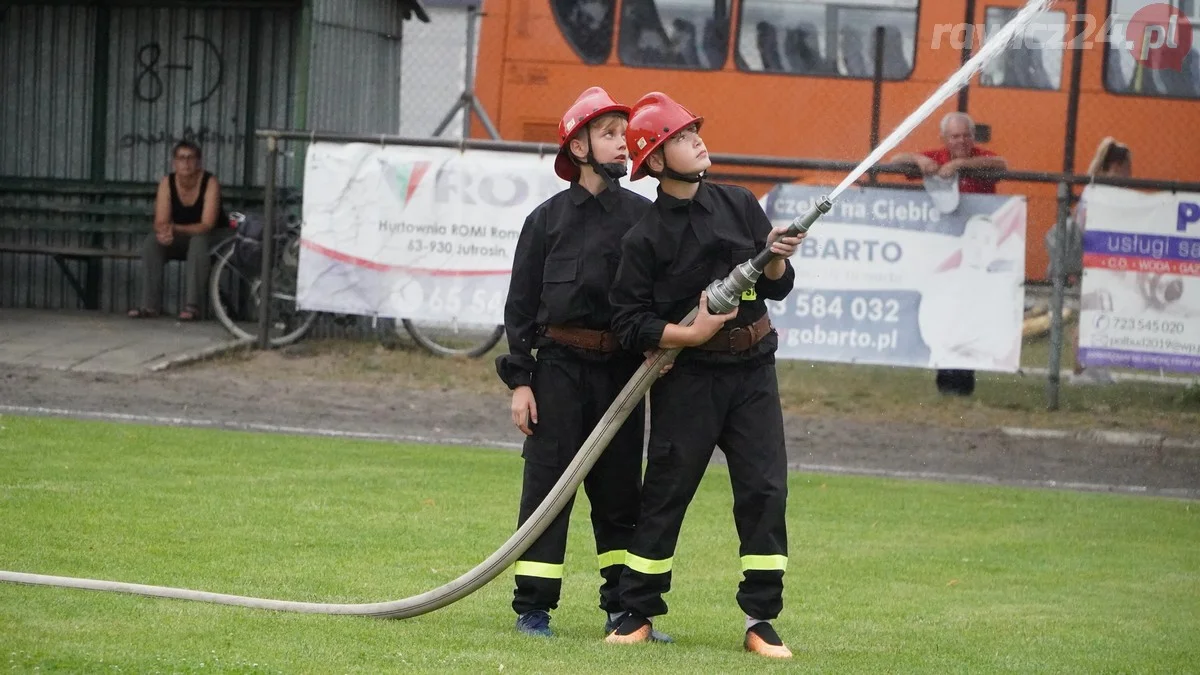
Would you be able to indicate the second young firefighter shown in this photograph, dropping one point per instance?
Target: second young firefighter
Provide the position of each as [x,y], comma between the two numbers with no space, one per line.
[563,267]
[722,390]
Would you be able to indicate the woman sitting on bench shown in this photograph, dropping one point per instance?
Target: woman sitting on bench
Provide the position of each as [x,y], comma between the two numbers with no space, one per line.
[188,221]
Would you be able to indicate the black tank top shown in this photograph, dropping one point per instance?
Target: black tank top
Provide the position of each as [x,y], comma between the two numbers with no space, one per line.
[186,215]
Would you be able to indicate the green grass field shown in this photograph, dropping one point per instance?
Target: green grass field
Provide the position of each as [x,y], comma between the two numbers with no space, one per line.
[884,576]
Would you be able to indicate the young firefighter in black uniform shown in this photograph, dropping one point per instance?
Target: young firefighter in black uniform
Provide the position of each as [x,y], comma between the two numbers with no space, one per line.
[563,268]
[722,389]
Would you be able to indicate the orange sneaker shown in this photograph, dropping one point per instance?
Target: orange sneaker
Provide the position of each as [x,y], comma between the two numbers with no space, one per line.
[656,635]
[632,630]
[762,639]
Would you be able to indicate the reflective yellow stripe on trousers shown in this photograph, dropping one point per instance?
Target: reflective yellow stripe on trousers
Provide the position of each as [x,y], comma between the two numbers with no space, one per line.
[646,565]
[528,568]
[764,562]
[610,558]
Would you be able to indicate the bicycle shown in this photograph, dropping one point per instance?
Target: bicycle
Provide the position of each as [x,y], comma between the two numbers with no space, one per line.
[236,276]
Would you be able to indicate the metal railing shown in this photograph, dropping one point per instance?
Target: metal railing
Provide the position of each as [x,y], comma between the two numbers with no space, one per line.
[1063,180]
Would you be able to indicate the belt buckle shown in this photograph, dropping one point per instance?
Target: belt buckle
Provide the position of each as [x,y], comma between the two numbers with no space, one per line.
[599,341]
[733,333]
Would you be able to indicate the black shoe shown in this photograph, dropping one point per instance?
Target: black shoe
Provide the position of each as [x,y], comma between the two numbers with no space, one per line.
[955,382]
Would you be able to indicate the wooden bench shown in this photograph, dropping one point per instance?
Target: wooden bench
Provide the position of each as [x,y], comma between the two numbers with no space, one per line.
[90,215]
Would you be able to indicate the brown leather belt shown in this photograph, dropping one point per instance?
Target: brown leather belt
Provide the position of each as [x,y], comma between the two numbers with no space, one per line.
[583,338]
[739,339]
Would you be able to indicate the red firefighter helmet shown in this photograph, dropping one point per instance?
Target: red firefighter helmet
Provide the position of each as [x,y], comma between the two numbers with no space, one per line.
[591,104]
[655,118]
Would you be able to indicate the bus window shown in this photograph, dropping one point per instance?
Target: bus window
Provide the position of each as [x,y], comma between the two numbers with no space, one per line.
[1125,75]
[588,27]
[815,37]
[692,34]
[1033,60]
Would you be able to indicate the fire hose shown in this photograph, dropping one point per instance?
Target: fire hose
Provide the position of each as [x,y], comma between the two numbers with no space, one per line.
[723,296]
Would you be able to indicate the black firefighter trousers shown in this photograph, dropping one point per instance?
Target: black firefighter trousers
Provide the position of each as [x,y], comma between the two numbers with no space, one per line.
[572,395]
[693,409]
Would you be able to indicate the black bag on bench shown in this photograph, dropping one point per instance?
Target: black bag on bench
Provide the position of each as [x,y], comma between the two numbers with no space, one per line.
[248,229]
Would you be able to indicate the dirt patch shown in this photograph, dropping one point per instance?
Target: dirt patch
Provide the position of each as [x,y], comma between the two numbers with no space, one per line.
[304,388]
[863,393]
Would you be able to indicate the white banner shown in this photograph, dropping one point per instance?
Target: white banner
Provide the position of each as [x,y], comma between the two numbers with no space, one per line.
[426,234]
[886,278]
[1140,299]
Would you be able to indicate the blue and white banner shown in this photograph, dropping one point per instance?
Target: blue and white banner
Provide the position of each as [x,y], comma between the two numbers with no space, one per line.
[1140,300]
[885,278]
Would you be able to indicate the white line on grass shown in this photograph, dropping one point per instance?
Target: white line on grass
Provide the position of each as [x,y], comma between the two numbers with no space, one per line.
[991,480]
[450,440]
[255,426]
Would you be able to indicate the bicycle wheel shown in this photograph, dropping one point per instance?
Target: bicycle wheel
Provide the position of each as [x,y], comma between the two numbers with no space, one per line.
[454,340]
[229,286]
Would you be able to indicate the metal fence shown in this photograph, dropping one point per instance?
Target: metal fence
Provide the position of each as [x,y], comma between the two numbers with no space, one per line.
[767,170]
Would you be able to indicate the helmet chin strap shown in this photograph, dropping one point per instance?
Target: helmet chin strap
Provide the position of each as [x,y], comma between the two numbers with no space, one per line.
[675,175]
[609,171]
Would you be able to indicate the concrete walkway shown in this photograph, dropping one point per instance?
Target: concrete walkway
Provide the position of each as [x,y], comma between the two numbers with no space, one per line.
[102,342]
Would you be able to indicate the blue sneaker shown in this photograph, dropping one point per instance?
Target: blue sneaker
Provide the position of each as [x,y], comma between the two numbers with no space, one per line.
[536,623]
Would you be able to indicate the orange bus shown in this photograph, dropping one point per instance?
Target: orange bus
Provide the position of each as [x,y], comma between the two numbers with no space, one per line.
[793,78]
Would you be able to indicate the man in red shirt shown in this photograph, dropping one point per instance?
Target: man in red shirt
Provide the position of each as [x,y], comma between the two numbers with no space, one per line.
[959,152]
[958,135]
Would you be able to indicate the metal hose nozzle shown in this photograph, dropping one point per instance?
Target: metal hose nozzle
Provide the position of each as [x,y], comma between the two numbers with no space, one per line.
[725,294]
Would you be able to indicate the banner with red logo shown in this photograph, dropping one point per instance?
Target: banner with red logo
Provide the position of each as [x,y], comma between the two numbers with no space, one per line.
[1140,298]
[426,234]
